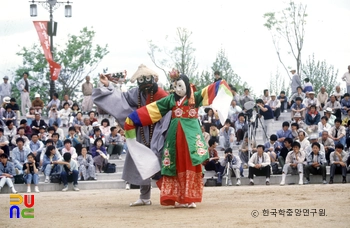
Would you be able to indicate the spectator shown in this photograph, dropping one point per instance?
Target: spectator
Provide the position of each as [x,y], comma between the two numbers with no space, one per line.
[316,163]
[43,135]
[213,162]
[14,106]
[86,88]
[217,76]
[206,135]
[304,142]
[27,129]
[295,95]
[337,132]
[20,135]
[69,171]
[246,148]
[298,107]
[37,123]
[4,143]
[54,116]
[66,100]
[275,105]
[74,112]
[284,133]
[64,114]
[334,105]
[59,131]
[322,97]
[272,148]
[10,130]
[323,125]
[296,82]
[346,119]
[114,143]
[92,117]
[338,93]
[246,97]
[329,114]
[30,169]
[313,139]
[266,97]
[23,86]
[311,100]
[57,142]
[235,167]
[285,150]
[214,132]
[36,146]
[294,163]
[5,88]
[105,127]
[9,115]
[234,111]
[328,144]
[259,165]
[19,155]
[338,160]
[236,96]
[267,112]
[312,118]
[227,135]
[30,116]
[69,149]
[78,120]
[346,78]
[37,104]
[284,101]
[85,131]
[86,166]
[55,102]
[209,119]
[345,103]
[241,128]
[99,154]
[307,86]
[7,172]
[49,158]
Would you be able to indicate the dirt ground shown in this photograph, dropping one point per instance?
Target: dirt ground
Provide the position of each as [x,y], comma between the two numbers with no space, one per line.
[221,207]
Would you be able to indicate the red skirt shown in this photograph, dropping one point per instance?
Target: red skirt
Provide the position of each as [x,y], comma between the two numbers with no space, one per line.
[187,185]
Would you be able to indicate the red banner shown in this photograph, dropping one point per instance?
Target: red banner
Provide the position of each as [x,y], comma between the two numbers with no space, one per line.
[41,28]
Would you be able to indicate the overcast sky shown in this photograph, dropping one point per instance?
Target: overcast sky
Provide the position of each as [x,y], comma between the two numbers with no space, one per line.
[236,26]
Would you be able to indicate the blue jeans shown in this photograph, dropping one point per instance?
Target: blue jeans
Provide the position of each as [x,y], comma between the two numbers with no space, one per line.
[73,176]
[47,169]
[52,120]
[32,178]
[341,141]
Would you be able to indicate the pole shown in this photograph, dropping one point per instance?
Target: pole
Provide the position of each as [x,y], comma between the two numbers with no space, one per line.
[52,82]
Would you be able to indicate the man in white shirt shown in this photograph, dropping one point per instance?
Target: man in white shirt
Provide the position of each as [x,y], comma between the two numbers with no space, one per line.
[234,111]
[259,165]
[322,97]
[311,100]
[338,133]
[266,97]
[5,88]
[303,141]
[338,93]
[275,105]
[294,163]
[346,78]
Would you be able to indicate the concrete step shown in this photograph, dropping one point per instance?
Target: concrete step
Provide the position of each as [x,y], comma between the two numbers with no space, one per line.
[99,176]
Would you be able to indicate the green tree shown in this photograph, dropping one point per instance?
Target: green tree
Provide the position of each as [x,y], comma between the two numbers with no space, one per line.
[288,27]
[320,74]
[181,56]
[278,83]
[223,65]
[78,58]
[202,80]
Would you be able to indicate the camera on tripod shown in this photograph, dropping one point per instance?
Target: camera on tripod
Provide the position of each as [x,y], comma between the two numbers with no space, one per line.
[228,156]
[121,74]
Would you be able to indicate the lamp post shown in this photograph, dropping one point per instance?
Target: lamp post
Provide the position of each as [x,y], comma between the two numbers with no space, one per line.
[51,5]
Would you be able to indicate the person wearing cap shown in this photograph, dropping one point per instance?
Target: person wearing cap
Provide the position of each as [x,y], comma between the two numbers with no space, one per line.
[275,105]
[311,100]
[329,114]
[307,85]
[126,102]
[346,78]
[294,164]
[315,163]
[87,89]
[296,82]
[322,97]
[298,107]
[338,133]
[334,105]
[37,103]
[5,88]
[7,173]
[37,123]
[345,103]
[23,86]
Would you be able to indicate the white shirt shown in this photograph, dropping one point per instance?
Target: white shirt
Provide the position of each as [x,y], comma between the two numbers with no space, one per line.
[274,103]
[346,78]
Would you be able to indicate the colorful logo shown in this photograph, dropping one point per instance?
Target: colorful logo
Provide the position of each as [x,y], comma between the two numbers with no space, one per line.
[16,200]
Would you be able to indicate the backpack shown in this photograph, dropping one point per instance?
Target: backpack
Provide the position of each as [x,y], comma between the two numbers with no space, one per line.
[109,168]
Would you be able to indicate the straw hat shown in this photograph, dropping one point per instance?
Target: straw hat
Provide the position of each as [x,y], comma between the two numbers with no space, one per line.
[143,71]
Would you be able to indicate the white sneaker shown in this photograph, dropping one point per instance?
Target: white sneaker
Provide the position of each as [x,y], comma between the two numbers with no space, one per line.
[141,202]
[65,188]
[75,188]
[127,187]
[14,190]
[285,111]
[238,182]
[229,182]
[28,190]
[47,179]
[36,189]
[180,205]
[192,205]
